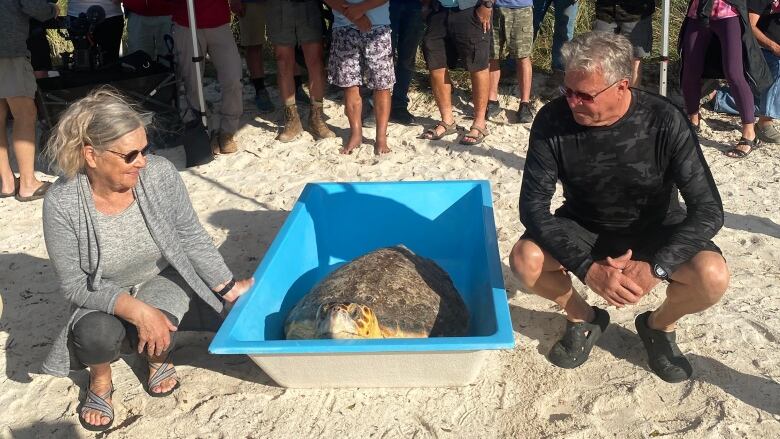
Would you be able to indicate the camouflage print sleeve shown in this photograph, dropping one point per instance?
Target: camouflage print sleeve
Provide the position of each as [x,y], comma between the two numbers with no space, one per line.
[539,178]
[705,209]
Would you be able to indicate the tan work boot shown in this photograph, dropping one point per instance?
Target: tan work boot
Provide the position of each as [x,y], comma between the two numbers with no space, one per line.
[227,143]
[317,126]
[292,124]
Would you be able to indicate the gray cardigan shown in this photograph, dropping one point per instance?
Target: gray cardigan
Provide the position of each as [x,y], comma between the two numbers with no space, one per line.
[15,24]
[73,242]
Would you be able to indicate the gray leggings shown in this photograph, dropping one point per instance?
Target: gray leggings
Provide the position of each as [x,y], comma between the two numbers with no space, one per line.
[97,337]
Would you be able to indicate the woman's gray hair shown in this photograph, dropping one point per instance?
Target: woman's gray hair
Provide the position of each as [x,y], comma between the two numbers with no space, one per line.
[98,119]
[608,53]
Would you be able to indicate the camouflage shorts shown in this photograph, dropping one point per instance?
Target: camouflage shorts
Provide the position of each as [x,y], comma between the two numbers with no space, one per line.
[513,33]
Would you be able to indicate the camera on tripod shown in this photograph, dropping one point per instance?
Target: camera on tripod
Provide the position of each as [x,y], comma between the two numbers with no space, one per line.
[86,54]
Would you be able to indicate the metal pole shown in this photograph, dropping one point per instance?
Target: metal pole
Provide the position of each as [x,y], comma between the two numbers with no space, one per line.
[664,49]
[197,60]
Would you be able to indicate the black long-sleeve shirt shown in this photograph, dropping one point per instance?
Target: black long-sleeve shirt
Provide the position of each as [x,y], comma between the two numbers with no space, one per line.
[618,179]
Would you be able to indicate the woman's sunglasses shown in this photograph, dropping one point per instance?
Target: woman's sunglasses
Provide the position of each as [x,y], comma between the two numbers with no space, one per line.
[131,156]
[583,97]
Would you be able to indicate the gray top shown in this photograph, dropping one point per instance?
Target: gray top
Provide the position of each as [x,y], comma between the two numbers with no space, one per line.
[74,242]
[15,24]
[130,255]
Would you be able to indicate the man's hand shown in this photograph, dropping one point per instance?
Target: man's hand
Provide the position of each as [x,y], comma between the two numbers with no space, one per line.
[485,17]
[237,7]
[615,287]
[154,330]
[638,271]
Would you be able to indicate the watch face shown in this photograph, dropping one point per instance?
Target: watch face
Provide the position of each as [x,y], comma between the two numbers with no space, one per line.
[660,272]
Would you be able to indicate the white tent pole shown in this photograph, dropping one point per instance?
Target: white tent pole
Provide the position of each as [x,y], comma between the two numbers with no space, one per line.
[664,49]
[196,60]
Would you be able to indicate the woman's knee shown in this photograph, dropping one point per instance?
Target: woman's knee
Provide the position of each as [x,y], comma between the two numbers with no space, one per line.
[97,338]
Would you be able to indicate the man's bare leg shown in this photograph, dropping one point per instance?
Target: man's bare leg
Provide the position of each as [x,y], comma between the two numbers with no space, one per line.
[636,73]
[353,108]
[541,274]
[382,113]
[495,77]
[312,53]
[442,92]
[285,68]
[697,285]
[524,74]
[7,184]
[480,89]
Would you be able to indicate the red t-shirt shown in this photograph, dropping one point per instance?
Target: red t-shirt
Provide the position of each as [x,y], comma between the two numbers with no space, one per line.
[208,13]
[148,8]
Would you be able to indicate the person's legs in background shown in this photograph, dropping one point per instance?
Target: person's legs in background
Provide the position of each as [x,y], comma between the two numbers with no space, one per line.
[223,54]
[407,28]
[769,108]
[563,30]
[695,40]
[729,31]
[252,26]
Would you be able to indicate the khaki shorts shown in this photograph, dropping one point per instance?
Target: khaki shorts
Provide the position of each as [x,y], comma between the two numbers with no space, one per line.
[513,33]
[17,78]
[252,24]
[294,22]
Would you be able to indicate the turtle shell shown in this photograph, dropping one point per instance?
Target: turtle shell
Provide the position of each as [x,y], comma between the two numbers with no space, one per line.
[411,296]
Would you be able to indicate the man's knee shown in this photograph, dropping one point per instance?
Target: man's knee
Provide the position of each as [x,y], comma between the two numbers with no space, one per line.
[526,261]
[712,278]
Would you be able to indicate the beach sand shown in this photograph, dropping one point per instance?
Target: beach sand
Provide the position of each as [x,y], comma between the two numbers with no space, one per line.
[243,199]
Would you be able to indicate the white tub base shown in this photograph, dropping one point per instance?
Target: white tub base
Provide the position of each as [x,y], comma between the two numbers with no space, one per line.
[376,369]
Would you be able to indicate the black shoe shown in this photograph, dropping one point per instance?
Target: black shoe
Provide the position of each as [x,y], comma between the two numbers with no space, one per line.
[574,348]
[493,110]
[525,113]
[663,355]
[401,115]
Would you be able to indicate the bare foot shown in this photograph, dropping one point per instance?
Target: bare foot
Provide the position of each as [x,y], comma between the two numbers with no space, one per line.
[353,143]
[381,147]
[100,384]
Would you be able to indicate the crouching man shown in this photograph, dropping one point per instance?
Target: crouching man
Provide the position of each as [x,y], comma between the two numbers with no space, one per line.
[618,153]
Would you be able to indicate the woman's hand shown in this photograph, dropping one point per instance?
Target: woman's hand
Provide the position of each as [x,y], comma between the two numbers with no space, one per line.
[154,330]
[241,287]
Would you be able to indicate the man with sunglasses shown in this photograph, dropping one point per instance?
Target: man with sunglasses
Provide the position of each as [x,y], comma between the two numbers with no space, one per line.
[619,153]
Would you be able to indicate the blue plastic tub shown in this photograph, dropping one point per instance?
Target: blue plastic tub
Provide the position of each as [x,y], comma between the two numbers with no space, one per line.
[450,222]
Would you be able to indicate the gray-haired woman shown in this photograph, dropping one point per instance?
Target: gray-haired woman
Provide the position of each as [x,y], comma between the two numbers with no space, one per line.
[128,250]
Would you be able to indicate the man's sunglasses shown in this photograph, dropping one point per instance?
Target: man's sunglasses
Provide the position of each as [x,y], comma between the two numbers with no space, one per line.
[583,97]
[131,156]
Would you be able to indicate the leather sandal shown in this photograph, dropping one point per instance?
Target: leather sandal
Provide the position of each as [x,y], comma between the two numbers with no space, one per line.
[478,138]
[737,153]
[430,133]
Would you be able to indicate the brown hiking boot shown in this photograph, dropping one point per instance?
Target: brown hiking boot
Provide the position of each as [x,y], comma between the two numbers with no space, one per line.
[227,143]
[292,125]
[317,126]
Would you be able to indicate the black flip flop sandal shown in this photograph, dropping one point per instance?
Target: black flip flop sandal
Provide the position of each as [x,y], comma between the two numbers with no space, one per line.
[574,348]
[736,153]
[663,355]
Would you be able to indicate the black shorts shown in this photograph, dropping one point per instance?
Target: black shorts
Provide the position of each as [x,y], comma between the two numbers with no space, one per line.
[643,246]
[455,37]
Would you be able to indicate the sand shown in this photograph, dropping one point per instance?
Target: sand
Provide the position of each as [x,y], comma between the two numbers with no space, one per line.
[243,199]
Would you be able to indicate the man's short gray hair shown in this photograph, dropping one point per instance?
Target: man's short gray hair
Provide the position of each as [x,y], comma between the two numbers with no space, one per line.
[605,52]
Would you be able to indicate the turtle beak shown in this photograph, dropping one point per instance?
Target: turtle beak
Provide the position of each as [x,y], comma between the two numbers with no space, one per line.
[336,322]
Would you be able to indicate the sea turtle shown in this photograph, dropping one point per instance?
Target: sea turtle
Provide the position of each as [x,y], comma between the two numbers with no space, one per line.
[387,293]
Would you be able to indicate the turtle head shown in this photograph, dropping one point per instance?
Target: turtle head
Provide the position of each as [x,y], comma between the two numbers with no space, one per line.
[346,320]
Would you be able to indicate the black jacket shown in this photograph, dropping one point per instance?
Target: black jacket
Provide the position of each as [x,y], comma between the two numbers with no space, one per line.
[757,72]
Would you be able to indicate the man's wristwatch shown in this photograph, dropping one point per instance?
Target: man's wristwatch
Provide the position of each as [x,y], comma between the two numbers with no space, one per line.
[488,3]
[660,272]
